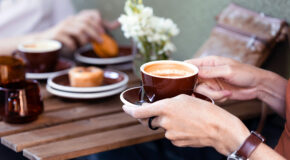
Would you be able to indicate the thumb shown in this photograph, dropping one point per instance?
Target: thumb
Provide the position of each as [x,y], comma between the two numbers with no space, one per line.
[223,71]
[145,111]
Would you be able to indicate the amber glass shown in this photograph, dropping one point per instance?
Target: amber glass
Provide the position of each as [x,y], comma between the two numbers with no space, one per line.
[21,105]
[20,99]
[12,71]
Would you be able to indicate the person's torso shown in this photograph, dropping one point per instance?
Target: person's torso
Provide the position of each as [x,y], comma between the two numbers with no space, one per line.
[18,17]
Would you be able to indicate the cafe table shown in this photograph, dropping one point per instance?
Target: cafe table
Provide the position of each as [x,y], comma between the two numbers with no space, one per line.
[73,128]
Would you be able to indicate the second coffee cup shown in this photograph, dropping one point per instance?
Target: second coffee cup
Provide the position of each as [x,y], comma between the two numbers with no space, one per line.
[167,78]
[39,55]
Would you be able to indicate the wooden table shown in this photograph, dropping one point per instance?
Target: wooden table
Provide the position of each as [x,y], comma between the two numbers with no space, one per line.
[70,128]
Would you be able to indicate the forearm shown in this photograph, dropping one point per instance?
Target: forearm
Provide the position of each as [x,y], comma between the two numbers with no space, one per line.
[272,91]
[230,137]
[8,45]
[263,152]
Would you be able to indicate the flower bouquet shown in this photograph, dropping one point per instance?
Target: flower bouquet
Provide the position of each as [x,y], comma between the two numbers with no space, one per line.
[151,34]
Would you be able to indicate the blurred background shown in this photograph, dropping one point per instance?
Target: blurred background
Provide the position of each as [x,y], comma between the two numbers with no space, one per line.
[195,18]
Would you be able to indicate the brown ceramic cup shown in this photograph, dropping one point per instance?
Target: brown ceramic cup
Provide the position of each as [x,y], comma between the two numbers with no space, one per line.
[167,78]
[12,71]
[21,104]
[40,55]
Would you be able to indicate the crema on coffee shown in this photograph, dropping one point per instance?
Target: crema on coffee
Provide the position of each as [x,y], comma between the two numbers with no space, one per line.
[39,46]
[170,69]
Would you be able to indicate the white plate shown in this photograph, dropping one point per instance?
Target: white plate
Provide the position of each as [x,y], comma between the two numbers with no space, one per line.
[85,95]
[42,76]
[100,61]
[113,75]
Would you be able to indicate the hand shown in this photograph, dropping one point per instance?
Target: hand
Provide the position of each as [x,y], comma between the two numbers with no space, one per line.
[223,78]
[192,122]
[79,30]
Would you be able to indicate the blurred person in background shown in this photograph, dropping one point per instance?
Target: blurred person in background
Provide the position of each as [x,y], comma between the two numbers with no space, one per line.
[22,20]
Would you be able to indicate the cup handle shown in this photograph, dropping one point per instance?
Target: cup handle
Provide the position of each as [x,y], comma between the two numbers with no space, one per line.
[18,55]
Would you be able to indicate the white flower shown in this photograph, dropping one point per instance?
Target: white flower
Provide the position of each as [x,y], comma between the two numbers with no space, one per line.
[140,24]
[169,47]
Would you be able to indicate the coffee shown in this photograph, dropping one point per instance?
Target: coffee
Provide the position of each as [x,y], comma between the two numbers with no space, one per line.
[40,56]
[169,69]
[41,46]
[166,79]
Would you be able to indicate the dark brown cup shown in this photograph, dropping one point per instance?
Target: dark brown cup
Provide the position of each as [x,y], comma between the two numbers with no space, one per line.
[22,104]
[166,79]
[12,71]
[39,56]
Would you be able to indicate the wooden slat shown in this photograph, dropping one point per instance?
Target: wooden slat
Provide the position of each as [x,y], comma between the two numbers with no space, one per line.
[18,142]
[93,143]
[56,103]
[62,116]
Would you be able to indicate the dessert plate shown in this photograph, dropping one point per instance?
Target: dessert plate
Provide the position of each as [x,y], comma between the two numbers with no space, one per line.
[62,67]
[112,79]
[74,95]
[88,56]
[132,97]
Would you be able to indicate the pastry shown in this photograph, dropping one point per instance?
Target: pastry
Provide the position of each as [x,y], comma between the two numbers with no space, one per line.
[86,76]
[107,48]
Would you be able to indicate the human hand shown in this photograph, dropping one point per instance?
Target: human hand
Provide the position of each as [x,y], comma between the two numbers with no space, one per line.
[223,78]
[80,29]
[192,122]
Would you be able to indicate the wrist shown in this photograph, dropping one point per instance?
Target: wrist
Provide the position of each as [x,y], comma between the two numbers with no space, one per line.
[268,83]
[265,77]
[231,136]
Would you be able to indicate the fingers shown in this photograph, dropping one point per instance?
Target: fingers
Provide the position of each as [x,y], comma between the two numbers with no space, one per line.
[91,22]
[244,94]
[77,32]
[223,71]
[217,95]
[145,111]
[111,25]
[91,31]
[68,42]
[83,28]
[211,61]
[95,18]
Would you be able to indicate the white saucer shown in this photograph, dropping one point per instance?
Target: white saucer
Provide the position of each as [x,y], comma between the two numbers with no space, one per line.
[100,61]
[46,75]
[85,95]
[120,78]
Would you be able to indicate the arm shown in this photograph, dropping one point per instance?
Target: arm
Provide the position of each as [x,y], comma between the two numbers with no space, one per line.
[272,90]
[73,32]
[191,122]
[224,79]
[264,152]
